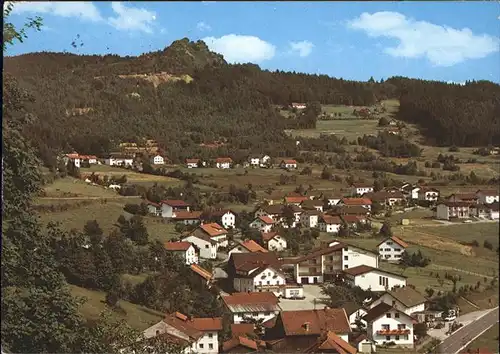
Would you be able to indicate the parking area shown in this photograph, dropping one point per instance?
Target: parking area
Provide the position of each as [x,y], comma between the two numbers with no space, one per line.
[464,319]
[311,293]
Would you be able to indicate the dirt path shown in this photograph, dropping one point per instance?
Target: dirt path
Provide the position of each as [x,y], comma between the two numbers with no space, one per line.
[463,271]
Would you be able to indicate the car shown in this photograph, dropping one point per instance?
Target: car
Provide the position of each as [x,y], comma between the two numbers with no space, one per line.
[450,318]
[467,221]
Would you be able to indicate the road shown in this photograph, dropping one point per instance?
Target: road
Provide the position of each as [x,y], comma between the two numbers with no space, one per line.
[462,337]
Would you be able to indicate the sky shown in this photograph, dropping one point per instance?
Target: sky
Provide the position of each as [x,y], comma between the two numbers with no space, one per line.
[447,41]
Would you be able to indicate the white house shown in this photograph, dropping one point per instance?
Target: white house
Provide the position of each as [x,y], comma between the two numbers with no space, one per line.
[364,202]
[216,233]
[391,249]
[157,160]
[354,313]
[299,105]
[198,335]
[186,217]
[494,214]
[373,278]
[361,188]
[310,218]
[184,249]
[223,162]
[258,306]
[265,161]
[254,161]
[287,163]
[262,223]
[386,324]
[169,206]
[207,246]
[194,163]
[246,246]
[447,210]
[428,194]
[273,241]
[333,200]
[225,217]
[119,161]
[487,196]
[404,299]
[154,208]
[313,204]
[329,223]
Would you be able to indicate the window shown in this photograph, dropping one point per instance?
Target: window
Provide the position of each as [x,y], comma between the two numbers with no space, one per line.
[396,315]
[388,315]
[401,326]
[381,249]
[331,258]
[206,246]
[210,346]
[387,337]
[210,335]
[397,338]
[346,249]
[406,337]
[268,282]
[346,258]
[201,345]
[393,303]
[346,266]
[255,314]
[260,283]
[386,327]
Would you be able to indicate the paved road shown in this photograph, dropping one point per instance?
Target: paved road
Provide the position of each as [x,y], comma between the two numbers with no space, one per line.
[454,343]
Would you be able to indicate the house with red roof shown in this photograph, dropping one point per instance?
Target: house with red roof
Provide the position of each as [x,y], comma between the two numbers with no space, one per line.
[198,334]
[252,305]
[391,249]
[153,208]
[363,202]
[195,163]
[185,250]
[208,238]
[247,246]
[487,196]
[273,241]
[187,217]
[288,164]
[169,206]
[223,162]
[263,223]
[329,223]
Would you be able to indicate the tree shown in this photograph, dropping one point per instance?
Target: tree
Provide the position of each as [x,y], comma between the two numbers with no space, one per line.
[420,330]
[94,232]
[386,229]
[429,291]
[383,122]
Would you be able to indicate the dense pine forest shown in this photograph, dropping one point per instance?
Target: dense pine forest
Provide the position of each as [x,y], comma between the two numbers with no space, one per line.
[89,103]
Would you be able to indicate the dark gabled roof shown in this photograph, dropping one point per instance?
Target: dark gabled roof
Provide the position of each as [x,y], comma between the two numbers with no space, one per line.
[294,322]
[407,296]
[320,251]
[363,269]
[381,309]
[249,261]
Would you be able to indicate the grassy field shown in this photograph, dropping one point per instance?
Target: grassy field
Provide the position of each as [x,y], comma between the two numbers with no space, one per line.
[138,317]
[488,339]
[350,128]
[70,187]
[132,176]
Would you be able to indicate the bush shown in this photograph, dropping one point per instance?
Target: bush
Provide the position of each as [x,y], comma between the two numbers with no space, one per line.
[488,245]
[475,243]
[436,164]
[453,148]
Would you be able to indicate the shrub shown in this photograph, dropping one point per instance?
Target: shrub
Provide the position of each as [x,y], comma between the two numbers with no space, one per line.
[488,245]
[475,243]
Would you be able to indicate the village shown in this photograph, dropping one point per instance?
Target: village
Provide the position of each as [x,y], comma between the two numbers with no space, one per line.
[273,297]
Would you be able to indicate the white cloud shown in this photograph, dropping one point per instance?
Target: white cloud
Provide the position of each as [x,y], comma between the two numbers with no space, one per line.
[131,18]
[241,49]
[202,26]
[303,48]
[441,45]
[85,10]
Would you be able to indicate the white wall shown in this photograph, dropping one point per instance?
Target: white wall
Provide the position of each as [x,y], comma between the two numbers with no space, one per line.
[167,211]
[192,165]
[414,193]
[333,201]
[357,257]
[268,277]
[203,343]
[309,220]
[442,212]
[388,299]
[265,316]
[371,280]
[376,325]
[362,190]
[390,251]
[355,315]
[261,226]
[223,165]
[277,243]
[293,292]
[329,228]
[207,249]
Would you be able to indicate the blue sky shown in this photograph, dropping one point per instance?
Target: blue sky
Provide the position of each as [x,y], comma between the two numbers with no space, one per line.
[447,41]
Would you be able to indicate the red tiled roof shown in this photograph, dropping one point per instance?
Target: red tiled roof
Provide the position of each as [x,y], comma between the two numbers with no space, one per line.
[237,341]
[223,160]
[180,322]
[201,272]
[352,218]
[192,160]
[177,246]
[314,322]
[267,236]
[356,201]
[251,298]
[266,219]
[152,203]
[330,342]
[242,328]
[186,215]
[488,192]
[290,162]
[293,199]
[213,229]
[330,219]
[253,246]
[399,241]
[457,204]
[207,324]
[174,203]
[362,185]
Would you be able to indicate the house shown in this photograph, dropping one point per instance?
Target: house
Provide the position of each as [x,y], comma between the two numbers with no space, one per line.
[329,342]
[411,191]
[386,324]
[314,204]
[119,160]
[78,159]
[277,211]
[288,164]
[263,224]
[364,344]
[225,217]
[325,263]
[216,233]
[333,200]
[386,198]
[246,246]
[481,211]
[299,105]
[185,250]
[153,208]
[206,276]
[296,199]
[297,331]
[428,194]
[494,214]
[329,223]
[352,221]
[275,197]
[392,123]
[257,306]
[157,160]
[223,162]
[355,313]
[364,202]
[375,279]
[463,197]
[207,246]
[201,335]
[259,271]
[487,196]
[169,206]
[404,299]
[273,241]
[310,218]
[361,188]
[241,344]
[447,210]
[349,210]
[391,249]
[194,163]
[187,217]
[265,161]
[254,161]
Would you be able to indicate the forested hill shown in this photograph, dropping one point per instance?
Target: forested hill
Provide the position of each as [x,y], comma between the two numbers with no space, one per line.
[186,95]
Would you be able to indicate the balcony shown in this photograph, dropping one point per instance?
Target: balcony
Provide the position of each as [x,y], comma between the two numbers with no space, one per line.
[389,332]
